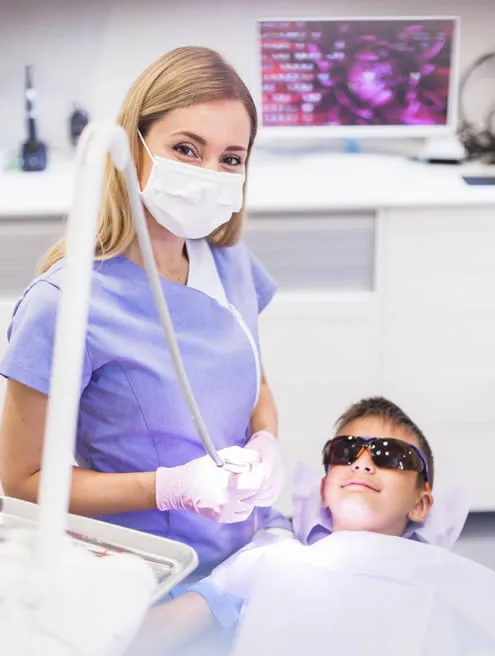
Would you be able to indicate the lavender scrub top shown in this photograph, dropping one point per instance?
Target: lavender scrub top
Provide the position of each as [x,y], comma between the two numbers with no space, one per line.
[132,416]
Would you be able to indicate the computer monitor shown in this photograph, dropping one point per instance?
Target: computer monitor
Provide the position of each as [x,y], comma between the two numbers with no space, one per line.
[358,77]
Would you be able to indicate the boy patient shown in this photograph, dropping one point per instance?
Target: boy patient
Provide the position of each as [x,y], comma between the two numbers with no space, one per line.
[378,476]
[382,485]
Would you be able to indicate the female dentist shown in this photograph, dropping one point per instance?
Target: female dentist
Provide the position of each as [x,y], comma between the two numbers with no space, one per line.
[191,123]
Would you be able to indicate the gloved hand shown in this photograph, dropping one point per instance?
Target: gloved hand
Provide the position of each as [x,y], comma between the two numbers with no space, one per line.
[213,492]
[268,448]
[236,575]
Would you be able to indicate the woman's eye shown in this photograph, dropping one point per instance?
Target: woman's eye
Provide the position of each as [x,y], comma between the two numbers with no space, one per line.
[232,160]
[185,150]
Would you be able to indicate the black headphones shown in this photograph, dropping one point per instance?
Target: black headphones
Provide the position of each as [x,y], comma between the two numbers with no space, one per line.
[478,142]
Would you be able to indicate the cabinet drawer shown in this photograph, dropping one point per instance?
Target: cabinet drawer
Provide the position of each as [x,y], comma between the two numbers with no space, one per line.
[327,252]
[23,242]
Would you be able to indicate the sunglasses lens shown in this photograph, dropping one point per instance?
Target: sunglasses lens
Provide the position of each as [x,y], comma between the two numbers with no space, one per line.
[387,453]
[395,454]
[342,450]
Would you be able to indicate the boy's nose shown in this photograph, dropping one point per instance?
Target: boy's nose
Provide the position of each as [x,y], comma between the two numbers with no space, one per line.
[364,463]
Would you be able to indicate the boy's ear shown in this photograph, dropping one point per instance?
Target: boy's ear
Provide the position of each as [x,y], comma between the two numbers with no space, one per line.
[422,507]
[322,492]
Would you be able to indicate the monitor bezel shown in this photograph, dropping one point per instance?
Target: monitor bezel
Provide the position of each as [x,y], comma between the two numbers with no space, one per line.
[318,132]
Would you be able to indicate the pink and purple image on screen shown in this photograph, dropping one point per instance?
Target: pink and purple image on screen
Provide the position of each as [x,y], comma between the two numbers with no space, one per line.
[356,72]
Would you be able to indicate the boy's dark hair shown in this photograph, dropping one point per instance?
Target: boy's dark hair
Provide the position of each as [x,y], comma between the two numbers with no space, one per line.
[378,406]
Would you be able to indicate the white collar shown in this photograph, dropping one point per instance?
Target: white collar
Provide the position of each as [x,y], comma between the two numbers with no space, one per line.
[203,274]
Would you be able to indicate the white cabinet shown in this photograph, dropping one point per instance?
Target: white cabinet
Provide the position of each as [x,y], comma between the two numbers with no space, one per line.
[438,262]
[436,281]
[327,251]
[23,241]
[423,334]
[320,354]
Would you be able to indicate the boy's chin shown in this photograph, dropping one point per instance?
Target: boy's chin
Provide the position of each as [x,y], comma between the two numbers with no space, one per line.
[356,515]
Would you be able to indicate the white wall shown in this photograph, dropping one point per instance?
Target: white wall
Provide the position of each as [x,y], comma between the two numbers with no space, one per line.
[90,50]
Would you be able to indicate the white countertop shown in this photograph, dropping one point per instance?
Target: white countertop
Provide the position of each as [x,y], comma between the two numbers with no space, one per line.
[350,182]
[290,184]
[48,193]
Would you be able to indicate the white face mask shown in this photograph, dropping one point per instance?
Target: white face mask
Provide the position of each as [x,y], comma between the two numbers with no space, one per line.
[190,201]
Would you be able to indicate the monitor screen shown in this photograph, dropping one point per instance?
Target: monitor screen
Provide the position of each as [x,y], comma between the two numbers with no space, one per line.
[359,73]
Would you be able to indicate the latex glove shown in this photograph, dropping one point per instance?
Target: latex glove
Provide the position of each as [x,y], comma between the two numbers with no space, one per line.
[213,492]
[236,575]
[267,446]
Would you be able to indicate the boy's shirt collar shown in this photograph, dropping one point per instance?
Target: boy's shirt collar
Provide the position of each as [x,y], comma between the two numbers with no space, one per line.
[310,521]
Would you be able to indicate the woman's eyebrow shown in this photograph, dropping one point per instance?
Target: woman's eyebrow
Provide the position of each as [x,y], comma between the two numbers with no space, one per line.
[190,135]
[202,141]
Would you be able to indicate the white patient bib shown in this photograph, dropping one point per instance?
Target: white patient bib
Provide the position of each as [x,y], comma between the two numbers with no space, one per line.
[363,593]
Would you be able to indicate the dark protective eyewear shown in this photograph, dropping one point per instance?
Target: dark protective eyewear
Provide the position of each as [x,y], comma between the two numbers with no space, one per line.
[386,453]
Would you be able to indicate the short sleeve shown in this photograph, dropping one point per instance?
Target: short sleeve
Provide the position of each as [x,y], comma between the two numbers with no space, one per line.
[269,518]
[31,335]
[225,608]
[264,283]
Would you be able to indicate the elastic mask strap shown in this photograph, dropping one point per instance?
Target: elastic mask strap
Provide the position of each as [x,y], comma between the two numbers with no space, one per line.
[145,145]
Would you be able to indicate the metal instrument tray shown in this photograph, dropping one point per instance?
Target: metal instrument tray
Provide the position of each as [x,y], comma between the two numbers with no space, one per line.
[170,560]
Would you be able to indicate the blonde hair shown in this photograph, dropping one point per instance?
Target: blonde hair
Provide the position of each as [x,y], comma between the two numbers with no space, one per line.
[181,78]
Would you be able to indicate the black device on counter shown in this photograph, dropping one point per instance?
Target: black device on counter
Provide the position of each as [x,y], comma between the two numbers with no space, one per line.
[34,155]
[478,140]
[77,122]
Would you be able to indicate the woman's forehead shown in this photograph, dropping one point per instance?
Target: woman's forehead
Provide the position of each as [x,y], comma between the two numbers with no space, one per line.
[221,121]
